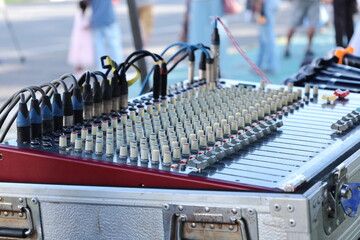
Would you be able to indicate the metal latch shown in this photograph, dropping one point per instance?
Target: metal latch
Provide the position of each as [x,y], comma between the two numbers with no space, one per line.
[341,198]
[350,198]
[19,218]
[333,214]
[202,222]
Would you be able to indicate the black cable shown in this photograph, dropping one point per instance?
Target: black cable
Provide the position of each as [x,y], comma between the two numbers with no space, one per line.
[61,82]
[69,75]
[178,61]
[11,122]
[13,103]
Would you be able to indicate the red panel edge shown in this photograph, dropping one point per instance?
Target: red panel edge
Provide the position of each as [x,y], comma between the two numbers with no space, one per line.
[31,166]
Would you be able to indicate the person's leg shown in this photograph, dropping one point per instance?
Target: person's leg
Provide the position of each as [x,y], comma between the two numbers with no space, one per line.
[146,20]
[289,37]
[349,21]
[298,14]
[311,33]
[99,46]
[338,22]
[270,55]
[114,42]
[262,46]
[313,12]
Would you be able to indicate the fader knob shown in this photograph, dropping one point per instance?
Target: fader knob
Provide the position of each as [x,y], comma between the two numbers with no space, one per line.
[62,141]
[78,144]
[99,145]
[109,148]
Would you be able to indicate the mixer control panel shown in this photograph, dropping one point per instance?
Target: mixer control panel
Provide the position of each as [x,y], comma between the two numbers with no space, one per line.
[235,132]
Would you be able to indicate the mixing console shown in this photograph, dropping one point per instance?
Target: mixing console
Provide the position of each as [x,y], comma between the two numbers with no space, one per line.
[272,137]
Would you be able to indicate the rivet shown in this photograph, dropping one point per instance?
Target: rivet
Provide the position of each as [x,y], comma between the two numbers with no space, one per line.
[292,223]
[180,208]
[1,156]
[21,214]
[6,214]
[277,207]
[251,211]
[21,200]
[212,226]
[193,225]
[290,208]
[319,200]
[34,200]
[314,204]
[329,230]
[207,209]
[231,227]
[166,206]
[234,211]
[337,222]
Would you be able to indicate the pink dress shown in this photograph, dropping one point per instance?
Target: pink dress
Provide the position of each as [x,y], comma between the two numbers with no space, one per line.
[81,52]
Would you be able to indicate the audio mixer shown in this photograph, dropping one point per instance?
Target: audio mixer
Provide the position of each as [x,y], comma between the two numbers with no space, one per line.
[224,135]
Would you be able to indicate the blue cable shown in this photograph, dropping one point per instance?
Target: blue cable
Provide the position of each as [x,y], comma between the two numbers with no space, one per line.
[152,69]
[185,46]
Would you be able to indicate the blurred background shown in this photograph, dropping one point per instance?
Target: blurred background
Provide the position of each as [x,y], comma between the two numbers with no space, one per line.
[39,31]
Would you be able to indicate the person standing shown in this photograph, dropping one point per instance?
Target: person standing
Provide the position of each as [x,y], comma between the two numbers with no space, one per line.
[343,20]
[266,11]
[81,50]
[106,31]
[302,9]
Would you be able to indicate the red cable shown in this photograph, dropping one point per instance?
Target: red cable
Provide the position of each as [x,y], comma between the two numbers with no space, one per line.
[243,54]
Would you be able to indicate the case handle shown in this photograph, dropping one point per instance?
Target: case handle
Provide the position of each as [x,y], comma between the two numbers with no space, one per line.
[16,232]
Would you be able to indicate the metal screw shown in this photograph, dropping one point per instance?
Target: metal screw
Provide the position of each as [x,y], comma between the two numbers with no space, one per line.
[34,200]
[180,208]
[166,206]
[251,211]
[277,207]
[231,227]
[290,208]
[234,211]
[6,214]
[207,209]
[193,225]
[212,226]
[292,223]
[21,214]
[325,194]
[21,200]
[344,191]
